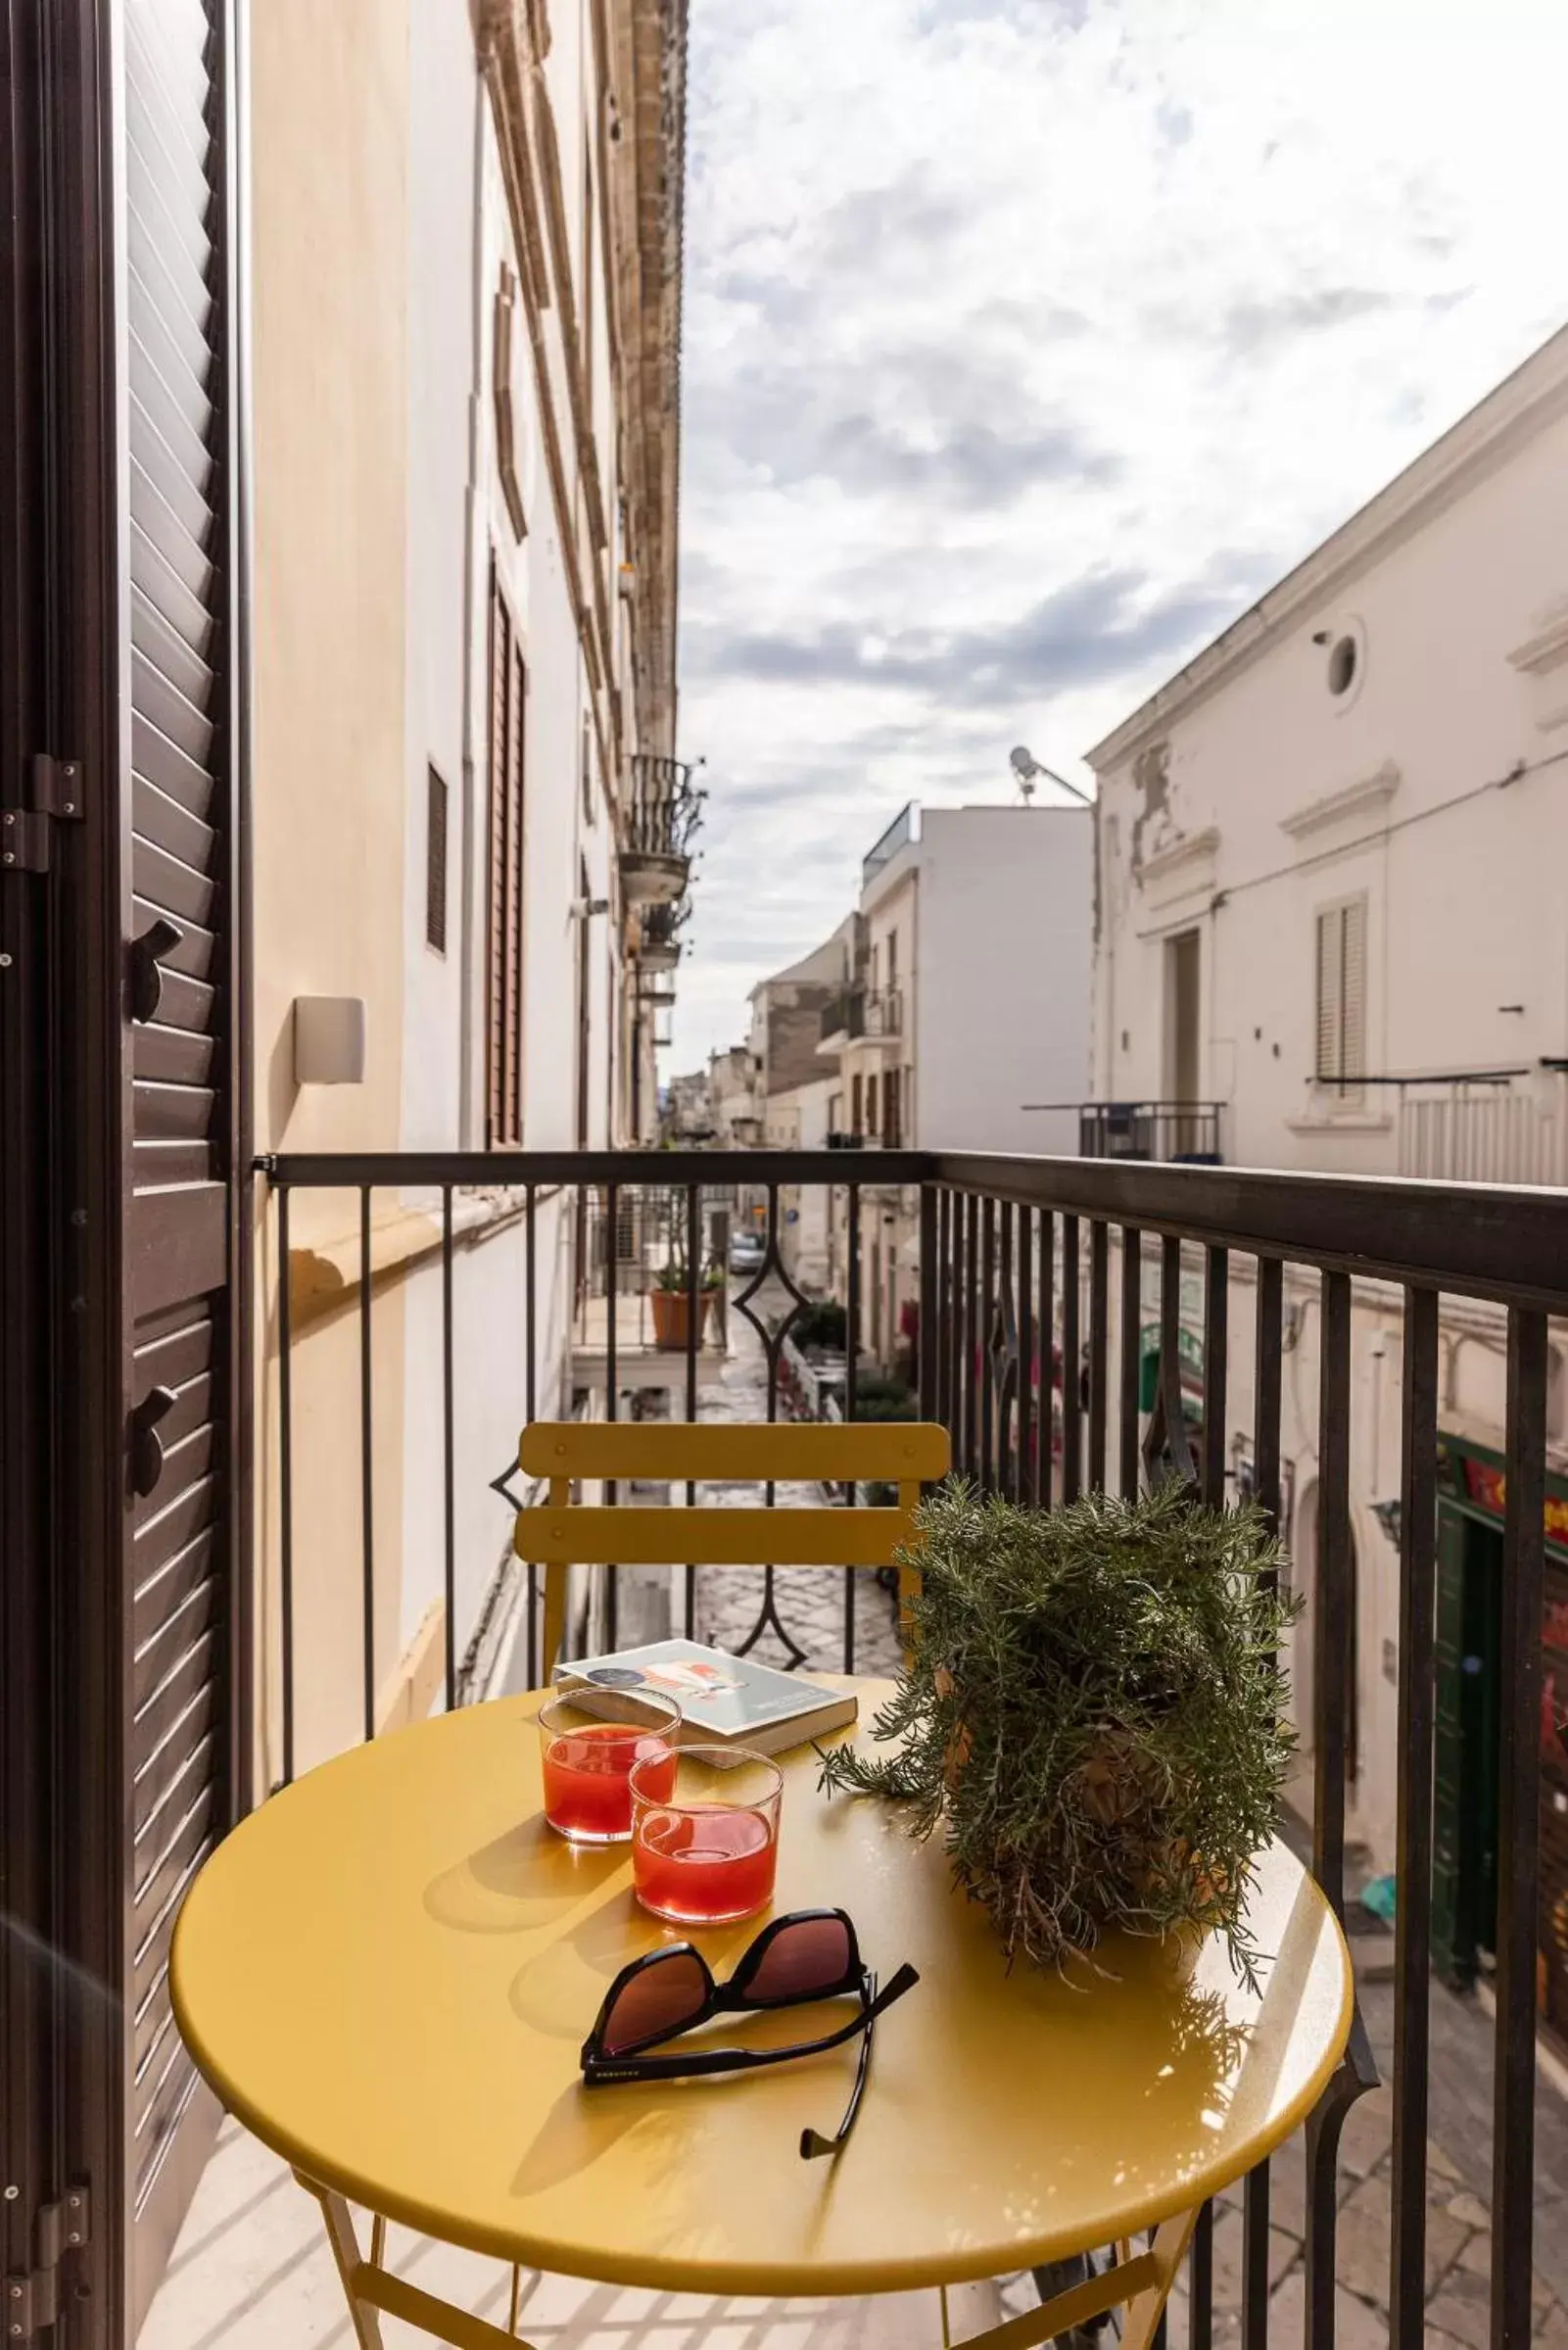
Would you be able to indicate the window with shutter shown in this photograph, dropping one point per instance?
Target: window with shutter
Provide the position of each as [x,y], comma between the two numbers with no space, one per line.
[855,1089]
[1342,996]
[508,695]
[890,1110]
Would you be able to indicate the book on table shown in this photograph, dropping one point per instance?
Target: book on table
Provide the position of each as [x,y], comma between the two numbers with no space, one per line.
[725,1700]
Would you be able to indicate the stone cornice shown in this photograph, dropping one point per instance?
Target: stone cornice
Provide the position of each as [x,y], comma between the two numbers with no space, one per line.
[648,81]
[1544,651]
[1180,867]
[1353,799]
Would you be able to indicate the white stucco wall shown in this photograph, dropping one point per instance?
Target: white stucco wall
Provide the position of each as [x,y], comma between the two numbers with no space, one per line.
[1002,1007]
[1463,884]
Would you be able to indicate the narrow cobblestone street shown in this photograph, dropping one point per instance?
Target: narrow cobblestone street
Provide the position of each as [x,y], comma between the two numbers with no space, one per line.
[809,1601]
[811,1605]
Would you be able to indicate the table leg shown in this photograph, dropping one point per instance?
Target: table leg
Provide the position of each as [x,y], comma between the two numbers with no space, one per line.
[372,2289]
[1140,2281]
[344,2245]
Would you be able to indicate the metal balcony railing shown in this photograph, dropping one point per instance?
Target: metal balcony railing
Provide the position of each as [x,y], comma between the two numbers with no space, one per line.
[858,1011]
[843,1014]
[1173,1130]
[1041,1285]
[1504,1127]
[665,808]
[659,945]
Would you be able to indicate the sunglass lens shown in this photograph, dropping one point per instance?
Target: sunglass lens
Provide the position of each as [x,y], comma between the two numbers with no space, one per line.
[807,1955]
[656,2000]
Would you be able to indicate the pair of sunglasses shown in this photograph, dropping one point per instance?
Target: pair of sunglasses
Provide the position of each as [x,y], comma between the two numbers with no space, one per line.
[810,1954]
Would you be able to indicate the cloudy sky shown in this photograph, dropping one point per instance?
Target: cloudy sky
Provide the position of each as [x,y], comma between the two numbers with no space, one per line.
[1027,341]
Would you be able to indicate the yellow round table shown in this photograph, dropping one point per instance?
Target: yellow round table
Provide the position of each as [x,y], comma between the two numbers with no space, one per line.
[388,1970]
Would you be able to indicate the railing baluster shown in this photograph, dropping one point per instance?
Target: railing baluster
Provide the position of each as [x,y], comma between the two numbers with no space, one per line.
[1255,2259]
[1045,1345]
[1217,1302]
[1518,1833]
[1027,1464]
[1332,1644]
[1217,1362]
[942,1334]
[851,1309]
[930,1294]
[1332,1652]
[958,1333]
[694,1245]
[973,1337]
[1168,1400]
[367,1471]
[1071,1401]
[1412,1926]
[1201,2281]
[448,1477]
[1267,1375]
[987,1352]
[1130,1368]
[530,1313]
[612,1401]
[1268,1360]
[849,1572]
[1099,1349]
[285,1485]
[1007,1388]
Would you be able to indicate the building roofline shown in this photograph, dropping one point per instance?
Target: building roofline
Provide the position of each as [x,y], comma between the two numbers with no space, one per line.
[1526,401]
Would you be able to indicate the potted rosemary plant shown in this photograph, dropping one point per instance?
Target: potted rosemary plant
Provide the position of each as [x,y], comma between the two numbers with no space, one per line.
[1092,1716]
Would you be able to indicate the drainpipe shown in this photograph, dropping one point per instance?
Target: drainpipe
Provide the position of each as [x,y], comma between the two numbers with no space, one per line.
[468,971]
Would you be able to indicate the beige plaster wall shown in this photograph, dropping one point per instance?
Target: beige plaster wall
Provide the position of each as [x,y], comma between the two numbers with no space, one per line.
[329,141]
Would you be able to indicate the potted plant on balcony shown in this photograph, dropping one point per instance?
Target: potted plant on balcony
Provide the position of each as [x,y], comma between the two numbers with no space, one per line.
[672,1303]
[1092,1715]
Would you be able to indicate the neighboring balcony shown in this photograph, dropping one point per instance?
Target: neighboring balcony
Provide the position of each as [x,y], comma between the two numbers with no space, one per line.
[660,824]
[858,1015]
[1497,1126]
[1184,1133]
[658,945]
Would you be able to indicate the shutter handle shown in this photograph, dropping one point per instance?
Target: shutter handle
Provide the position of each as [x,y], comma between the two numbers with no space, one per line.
[146,1444]
[146,974]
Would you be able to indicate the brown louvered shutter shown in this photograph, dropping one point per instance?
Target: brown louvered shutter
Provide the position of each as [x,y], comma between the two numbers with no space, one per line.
[182,1041]
[509,702]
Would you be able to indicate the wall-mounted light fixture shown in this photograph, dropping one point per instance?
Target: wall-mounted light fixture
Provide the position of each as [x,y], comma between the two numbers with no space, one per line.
[329,1041]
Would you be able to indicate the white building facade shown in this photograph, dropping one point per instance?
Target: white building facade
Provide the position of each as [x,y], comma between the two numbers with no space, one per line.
[1329,935]
[966,1020]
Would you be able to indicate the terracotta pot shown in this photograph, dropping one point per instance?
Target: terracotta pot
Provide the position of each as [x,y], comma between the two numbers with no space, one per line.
[672,1319]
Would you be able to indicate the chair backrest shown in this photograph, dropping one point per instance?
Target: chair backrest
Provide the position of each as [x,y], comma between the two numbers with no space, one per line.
[557,1533]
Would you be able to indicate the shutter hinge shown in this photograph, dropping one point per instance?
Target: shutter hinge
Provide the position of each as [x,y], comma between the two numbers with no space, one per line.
[33,2302]
[54,796]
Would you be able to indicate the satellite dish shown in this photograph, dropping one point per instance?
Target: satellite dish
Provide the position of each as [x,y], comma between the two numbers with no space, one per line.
[1029,769]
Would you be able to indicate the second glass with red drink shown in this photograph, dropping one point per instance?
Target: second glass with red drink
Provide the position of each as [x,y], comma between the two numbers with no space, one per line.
[705,1834]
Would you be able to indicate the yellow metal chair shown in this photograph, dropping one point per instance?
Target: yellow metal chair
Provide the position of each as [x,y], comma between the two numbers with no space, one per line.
[559,1533]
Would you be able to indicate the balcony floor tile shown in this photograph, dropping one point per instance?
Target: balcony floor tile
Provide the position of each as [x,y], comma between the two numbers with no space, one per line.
[252,2272]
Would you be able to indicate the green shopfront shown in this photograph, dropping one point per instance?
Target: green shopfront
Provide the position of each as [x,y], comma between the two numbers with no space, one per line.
[1470,1517]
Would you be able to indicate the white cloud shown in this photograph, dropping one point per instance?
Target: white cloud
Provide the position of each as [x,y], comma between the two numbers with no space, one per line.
[1025,341]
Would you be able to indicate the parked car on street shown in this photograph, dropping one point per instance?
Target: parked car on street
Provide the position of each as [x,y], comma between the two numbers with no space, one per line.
[747,1253]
